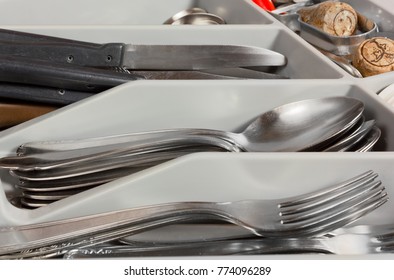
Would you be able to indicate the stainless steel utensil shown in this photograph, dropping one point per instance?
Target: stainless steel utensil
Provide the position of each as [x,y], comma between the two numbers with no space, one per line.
[50,166]
[42,188]
[183,13]
[291,127]
[203,231]
[131,56]
[195,16]
[83,176]
[358,240]
[47,81]
[200,19]
[207,74]
[345,143]
[305,215]
[369,141]
[342,62]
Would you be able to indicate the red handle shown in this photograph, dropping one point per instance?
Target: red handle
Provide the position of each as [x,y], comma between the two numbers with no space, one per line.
[265,4]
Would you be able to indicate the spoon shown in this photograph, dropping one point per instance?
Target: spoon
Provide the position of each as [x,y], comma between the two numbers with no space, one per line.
[352,139]
[291,127]
[369,141]
[199,19]
[342,62]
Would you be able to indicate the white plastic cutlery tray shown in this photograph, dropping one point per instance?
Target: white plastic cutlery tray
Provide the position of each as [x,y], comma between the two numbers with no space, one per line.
[217,104]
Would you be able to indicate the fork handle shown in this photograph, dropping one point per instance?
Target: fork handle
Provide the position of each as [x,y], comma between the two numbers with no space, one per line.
[20,238]
[253,246]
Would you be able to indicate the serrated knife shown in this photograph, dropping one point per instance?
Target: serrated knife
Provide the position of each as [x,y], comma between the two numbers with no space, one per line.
[134,56]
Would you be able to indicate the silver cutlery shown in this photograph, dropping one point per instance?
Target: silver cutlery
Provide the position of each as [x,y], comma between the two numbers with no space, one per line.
[42,188]
[195,16]
[358,240]
[294,126]
[310,214]
[342,62]
[80,67]
[326,124]
[345,143]
[203,231]
[368,142]
[134,56]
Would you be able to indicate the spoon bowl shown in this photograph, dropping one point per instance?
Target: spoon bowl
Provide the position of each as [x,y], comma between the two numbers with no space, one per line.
[300,125]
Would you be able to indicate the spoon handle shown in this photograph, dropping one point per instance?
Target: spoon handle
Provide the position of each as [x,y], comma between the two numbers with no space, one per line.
[43,159]
[38,147]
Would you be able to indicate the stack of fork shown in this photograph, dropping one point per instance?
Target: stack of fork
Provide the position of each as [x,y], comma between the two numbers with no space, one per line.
[309,215]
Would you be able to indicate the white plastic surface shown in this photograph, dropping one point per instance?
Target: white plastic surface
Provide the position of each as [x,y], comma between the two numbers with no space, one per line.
[387,94]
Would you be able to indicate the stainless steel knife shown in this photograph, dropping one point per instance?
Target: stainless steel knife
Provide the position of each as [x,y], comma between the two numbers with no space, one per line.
[63,76]
[140,57]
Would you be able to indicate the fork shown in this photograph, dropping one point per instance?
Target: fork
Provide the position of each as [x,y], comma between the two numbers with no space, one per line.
[310,214]
[358,240]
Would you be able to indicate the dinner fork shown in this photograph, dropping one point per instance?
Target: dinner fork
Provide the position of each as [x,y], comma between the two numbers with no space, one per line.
[310,214]
[358,240]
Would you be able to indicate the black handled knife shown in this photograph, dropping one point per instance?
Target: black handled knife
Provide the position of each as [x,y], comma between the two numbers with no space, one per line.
[132,56]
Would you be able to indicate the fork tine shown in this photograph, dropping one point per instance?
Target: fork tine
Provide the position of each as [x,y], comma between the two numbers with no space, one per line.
[385,248]
[293,214]
[348,212]
[384,242]
[349,215]
[328,193]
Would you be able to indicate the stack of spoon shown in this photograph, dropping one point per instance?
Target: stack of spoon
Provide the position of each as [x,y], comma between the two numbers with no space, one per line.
[51,170]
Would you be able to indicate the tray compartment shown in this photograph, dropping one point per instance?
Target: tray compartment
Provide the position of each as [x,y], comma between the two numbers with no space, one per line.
[149,105]
[303,61]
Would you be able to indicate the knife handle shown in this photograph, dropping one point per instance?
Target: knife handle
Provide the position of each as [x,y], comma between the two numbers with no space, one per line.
[42,95]
[16,69]
[60,49]
[70,52]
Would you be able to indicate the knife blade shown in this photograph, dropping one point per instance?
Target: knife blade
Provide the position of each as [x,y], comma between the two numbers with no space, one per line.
[134,56]
[206,74]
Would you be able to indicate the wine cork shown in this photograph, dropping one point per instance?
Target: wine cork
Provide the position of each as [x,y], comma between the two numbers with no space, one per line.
[374,56]
[334,18]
